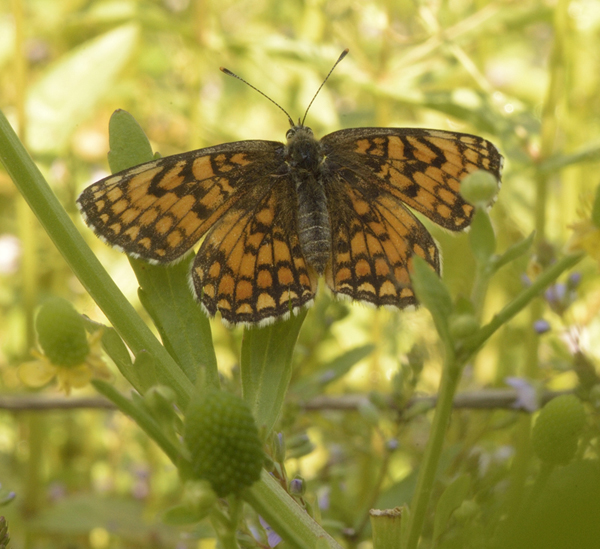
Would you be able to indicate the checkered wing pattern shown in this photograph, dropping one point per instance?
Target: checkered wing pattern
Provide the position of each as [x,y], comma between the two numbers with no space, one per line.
[422,168]
[157,211]
[250,267]
[371,173]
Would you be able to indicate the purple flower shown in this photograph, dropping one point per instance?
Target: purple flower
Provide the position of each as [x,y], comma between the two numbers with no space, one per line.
[273,537]
[574,280]
[526,394]
[297,487]
[541,326]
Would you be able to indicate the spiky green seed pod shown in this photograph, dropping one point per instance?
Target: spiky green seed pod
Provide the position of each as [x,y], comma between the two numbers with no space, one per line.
[223,440]
[61,333]
[556,432]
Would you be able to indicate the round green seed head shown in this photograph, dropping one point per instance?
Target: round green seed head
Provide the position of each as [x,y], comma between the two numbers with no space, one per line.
[224,443]
[556,432]
[479,188]
[61,333]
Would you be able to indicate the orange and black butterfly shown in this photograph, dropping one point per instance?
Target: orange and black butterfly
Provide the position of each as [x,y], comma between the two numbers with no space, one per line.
[275,217]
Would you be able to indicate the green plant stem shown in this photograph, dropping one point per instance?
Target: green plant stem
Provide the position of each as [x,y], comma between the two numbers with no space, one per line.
[473,343]
[225,529]
[480,287]
[83,262]
[450,378]
[144,420]
[284,515]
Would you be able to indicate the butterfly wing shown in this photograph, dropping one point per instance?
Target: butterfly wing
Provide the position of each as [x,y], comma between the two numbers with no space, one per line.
[158,210]
[369,174]
[422,168]
[373,239]
[250,266]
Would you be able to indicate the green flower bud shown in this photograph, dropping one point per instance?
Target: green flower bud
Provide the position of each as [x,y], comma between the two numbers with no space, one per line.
[556,432]
[463,325]
[479,188]
[223,440]
[297,486]
[61,333]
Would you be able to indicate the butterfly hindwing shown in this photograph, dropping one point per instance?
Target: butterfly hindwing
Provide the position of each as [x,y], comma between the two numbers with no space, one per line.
[373,239]
[250,266]
[158,210]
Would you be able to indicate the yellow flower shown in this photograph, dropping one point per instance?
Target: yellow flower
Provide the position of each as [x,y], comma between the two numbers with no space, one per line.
[69,355]
[41,371]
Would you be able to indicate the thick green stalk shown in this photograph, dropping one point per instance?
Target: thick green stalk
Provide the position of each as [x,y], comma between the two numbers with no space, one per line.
[285,516]
[427,471]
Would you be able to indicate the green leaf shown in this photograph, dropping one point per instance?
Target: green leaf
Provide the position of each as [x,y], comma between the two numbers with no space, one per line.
[310,386]
[514,252]
[266,367]
[183,327]
[70,89]
[142,374]
[129,145]
[433,294]
[559,161]
[143,371]
[450,500]
[482,237]
[404,526]
[182,515]
[76,515]
[136,409]
[164,290]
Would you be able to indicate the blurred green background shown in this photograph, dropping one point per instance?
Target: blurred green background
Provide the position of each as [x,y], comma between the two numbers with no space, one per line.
[521,74]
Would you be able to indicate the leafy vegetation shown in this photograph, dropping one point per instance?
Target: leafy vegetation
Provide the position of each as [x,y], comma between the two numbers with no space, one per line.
[346,417]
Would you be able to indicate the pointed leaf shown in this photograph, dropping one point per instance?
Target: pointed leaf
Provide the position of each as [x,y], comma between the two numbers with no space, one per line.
[308,387]
[164,290]
[514,252]
[482,237]
[433,294]
[183,327]
[266,367]
[129,145]
[451,499]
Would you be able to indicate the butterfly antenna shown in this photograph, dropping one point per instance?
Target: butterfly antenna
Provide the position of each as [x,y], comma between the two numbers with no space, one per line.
[229,73]
[344,53]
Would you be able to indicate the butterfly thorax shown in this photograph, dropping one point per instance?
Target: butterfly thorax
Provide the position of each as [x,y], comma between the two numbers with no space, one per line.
[304,158]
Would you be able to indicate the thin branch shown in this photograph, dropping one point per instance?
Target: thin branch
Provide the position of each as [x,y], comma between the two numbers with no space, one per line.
[485,399]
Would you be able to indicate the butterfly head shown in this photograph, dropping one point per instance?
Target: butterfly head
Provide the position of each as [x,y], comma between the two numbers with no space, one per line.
[302,149]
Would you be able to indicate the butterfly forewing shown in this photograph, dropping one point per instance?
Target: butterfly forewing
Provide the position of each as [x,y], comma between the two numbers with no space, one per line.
[158,210]
[422,168]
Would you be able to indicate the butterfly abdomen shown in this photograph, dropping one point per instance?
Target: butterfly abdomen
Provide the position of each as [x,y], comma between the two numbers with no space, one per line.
[314,229]
[304,158]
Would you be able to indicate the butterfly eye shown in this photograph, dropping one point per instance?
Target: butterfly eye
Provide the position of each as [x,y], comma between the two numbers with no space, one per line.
[290,132]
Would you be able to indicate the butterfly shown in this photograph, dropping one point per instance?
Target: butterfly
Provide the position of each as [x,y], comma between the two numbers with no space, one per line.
[274,217]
